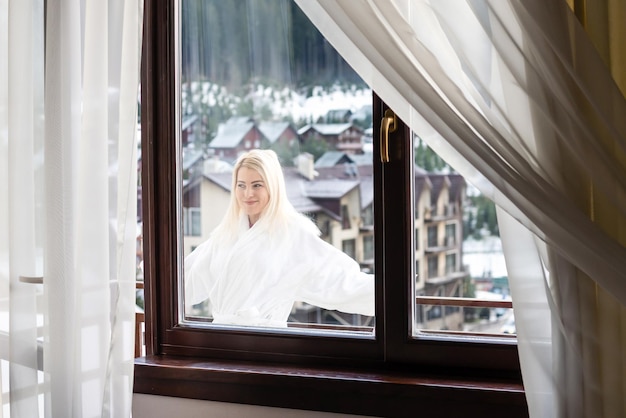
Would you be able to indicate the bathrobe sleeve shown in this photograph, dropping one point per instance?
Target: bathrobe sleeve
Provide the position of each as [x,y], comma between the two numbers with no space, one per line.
[331,279]
[198,276]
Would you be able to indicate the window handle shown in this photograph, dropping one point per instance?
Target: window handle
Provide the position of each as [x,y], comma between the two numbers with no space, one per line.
[388,125]
[31,279]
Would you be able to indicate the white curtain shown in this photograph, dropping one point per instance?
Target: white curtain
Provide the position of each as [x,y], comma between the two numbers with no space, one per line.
[513,95]
[69,76]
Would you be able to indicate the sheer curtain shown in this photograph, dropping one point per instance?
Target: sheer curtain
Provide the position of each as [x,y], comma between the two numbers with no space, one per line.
[69,74]
[514,96]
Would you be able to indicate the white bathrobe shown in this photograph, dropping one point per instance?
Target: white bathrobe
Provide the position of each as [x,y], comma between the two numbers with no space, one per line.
[256,279]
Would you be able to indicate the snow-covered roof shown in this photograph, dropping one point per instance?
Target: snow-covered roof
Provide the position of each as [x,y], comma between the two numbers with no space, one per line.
[361,159]
[190,157]
[273,130]
[331,188]
[217,165]
[238,120]
[224,180]
[188,120]
[332,158]
[326,128]
[230,134]
[294,183]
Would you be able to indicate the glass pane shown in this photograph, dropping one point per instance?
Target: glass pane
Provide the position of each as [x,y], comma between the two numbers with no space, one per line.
[460,279]
[258,75]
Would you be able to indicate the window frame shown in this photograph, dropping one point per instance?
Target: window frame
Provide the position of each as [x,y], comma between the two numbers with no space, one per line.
[402,366]
[165,333]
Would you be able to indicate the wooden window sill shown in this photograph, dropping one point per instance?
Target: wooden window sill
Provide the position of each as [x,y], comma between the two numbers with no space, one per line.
[382,392]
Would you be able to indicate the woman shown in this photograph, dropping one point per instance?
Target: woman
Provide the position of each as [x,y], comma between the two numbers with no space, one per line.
[264,256]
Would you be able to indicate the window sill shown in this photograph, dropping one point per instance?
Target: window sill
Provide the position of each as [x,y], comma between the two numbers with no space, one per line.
[380,392]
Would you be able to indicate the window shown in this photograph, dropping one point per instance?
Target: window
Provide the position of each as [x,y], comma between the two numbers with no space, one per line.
[345,217]
[432,237]
[417,272]
[241,365]
[368,248]
[348,247]
[450,263]
[417,239]
[450,235]
[433,266]
[367,216]
[191,221]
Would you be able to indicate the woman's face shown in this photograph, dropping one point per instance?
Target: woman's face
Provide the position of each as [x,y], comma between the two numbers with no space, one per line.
[251,193]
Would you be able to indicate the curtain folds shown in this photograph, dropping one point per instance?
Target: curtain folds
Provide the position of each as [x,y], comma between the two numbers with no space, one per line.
[68,182]
[514,95]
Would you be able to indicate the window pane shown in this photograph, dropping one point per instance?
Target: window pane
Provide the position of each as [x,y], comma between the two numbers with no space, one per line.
[464,287]
[250,81]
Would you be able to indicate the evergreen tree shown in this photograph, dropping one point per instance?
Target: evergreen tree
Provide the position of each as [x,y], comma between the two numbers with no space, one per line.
[315,146]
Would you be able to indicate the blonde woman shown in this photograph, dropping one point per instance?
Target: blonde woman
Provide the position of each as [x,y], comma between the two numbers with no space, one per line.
[264,256]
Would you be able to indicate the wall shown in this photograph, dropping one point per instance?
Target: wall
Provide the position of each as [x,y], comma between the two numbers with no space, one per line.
[151,406]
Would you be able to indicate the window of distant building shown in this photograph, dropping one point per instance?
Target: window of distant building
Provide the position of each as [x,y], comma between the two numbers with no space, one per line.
[451,263]
[432,236]
[367,215]
[450,235]
[433,266]
[348,246]
[417,239]
[345,217]
[191,221]
[368,247]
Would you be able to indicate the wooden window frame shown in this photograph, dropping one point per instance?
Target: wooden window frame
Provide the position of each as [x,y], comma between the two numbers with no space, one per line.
[391,374]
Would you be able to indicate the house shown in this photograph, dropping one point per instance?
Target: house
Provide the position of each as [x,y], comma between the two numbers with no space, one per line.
[339,136]
[279,133]
[338,116]
[236,135]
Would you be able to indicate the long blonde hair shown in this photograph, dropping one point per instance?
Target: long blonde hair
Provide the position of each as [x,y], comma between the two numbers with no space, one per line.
[278,210]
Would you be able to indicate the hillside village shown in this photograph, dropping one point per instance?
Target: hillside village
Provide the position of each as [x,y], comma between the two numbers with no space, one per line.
[336,191]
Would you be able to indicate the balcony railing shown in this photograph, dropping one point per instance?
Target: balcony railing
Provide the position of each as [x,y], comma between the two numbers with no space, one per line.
[463,302]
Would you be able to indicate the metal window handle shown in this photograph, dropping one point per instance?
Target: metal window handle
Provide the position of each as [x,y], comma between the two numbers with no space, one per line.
[31,279]
[388,125]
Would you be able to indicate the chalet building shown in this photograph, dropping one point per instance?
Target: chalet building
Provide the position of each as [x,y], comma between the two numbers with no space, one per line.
[240,134]
[279,133]
[236,135]
[345,137]
[338,116]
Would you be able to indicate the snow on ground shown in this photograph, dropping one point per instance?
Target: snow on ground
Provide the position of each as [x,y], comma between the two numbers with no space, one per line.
[283,102]
[318,105]
[484,257]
